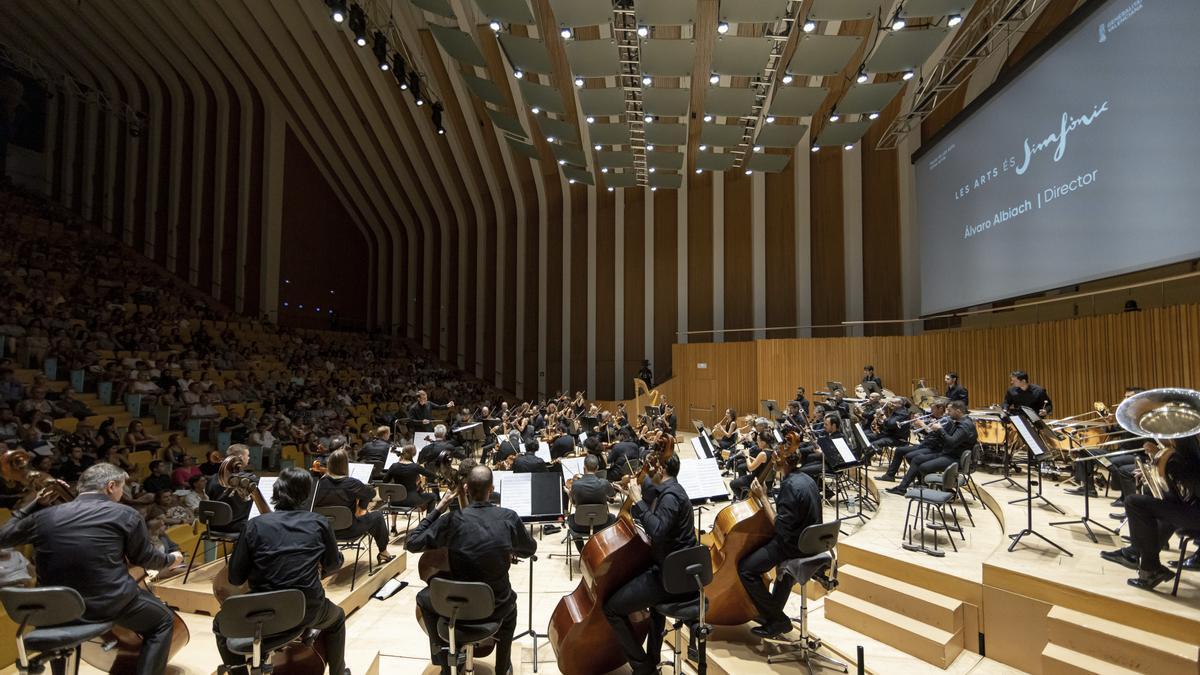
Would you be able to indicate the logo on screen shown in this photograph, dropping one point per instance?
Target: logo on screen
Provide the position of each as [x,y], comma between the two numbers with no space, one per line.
[1114,23]
[1058,139]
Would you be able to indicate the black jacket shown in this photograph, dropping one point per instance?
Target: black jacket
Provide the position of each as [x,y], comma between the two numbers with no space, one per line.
[668,520]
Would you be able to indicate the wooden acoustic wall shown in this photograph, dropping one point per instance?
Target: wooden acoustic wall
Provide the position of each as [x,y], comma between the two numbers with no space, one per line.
[1079,361]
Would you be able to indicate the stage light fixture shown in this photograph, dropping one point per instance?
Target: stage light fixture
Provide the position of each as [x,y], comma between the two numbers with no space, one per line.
[535,110]
[770,119]
[579,82]
[652,169]
[590,119]
[810,26]
[703,147]
[550,139]
[597,146]
[398,70]
[699,171]
[849,146]
[815,148]
[435,113]
[650,148]
[358,24]
[610,188]
[562,162]
[414,85]
[571,181]
[954,20]
[758,148]
[654,189]
[787,78]
[380,47]
[643,31]
[723,27]
[518,73]
[898,22]
[495,26]
[748,172]
[714,79]
[565,33]
[646,80]
[648,119]
[708,118]
[862,76]
[873,116]
[604,169]
[833,117]
[908,75]
[337,10]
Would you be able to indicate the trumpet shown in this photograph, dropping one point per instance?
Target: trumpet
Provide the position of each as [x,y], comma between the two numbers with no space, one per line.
[922,418]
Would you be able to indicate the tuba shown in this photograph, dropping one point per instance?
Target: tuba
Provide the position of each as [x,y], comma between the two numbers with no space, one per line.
[1160,415]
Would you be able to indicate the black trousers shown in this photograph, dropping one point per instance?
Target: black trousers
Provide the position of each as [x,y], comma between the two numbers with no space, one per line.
[899,454]
[506,614]
[325,617]
[751,568]
[1153,521]
[147,616]
[372,523]
[578,529]
[915,459]
[641,593]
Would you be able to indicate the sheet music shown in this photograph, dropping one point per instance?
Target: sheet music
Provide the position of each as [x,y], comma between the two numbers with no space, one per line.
[266,485]
[362,472]
[583,436]
[701,478]
[543,451]
[1028,434]
[465,427]
[698,447]
[392,458]
[844,451]
[517,493]
[422,439]
[571,467]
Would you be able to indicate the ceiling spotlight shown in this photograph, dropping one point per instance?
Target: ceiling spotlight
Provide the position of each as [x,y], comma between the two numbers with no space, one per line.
[849,146]
[604,169]
[398,69]
[597,146]
[954,20]
[770,119]
[495,26]
[643,31]
[441,131]
[810,26]
[703,147]
[708,118]
[834,117]
[414,85]
[649,148]
[862,76]
[435,113]
[714,79]
[723,27]
[787,78]
[420,101]
[590,119]
[565,33]
[873,116]
[579,82]
[908,75]
[337,10]
[652,169]
[699,170]
[358,25]
[611,188]
[535,110]
[518,73]
[898,22]
[748,172]
[550,139]
[758,148]
[646,80]
[380,48]
[360,40]
[571,181]
[648,119]
[815,148]
[562,162]
[654,189]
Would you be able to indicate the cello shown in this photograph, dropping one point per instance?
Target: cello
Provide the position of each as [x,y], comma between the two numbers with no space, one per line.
[297,658]
[583,641]
[739,530]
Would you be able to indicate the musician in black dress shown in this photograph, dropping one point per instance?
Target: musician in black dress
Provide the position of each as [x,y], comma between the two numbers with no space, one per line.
[338,488]
[758,464]
[670,525]
[239,507]
[1022,394]
[797,505]
[408,473]
[1153,520]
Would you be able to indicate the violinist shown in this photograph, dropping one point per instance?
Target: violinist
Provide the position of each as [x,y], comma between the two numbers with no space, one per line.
[338,488]
[594,447]
[757,465]
[624,456]
[1153,520]
[413,477]
[440,445]
[507,450]
[219,493]
[590,488]
[481,540]
[563,445]
[670,419]
[669,523]
[797,505]
[86,544]
[291,547]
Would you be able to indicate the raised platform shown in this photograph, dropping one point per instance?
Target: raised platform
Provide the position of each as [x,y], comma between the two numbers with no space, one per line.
[196,595]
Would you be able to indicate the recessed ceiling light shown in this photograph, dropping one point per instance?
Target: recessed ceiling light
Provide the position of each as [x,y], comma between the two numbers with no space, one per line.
[787,78]
[579,82]
[495,26]
[908,75]
[770,119]
[518,74]
[954,20]
[723,27]
[833,117]
[590,119]
[699,170]
[650,148]
[565,33]
[597,146]
[708,118]
[643,31]
[714,79]
[810,26]
[873,116]
[535,110]
[646,80]
[758,148]
[703,147]
[849,146]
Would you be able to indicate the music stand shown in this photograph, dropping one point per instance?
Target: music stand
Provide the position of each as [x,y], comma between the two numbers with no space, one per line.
[771,405]
[545,505]
[1037,449]
[1086,519]
[699,427]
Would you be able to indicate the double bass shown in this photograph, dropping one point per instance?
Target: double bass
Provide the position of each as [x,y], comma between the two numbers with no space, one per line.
[739,530]
[297,658]
[124,645]
[583,641]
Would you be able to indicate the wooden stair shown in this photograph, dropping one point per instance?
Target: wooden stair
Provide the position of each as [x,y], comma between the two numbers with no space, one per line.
[1083,643]
[915,620]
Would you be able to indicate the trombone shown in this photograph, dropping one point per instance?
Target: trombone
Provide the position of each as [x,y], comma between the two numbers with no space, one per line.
[1156,415]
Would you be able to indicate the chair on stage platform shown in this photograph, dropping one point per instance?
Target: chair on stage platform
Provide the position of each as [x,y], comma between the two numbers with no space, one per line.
[55,613]
[1185,537]
[927,498]
[390,494]
[255,625]
[590,516]
[212,514]
[965,469]
[341,519]
[688,571]
[818,546]
[463,609]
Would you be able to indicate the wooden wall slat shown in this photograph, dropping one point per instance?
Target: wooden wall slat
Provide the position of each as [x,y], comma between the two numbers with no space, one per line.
[605,289]
[828,262]
[781,247]
[699,254]
[635,296]
[739,267]
[666,261]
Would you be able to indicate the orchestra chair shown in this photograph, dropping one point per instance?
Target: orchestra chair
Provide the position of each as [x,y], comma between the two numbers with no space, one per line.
[1185,537]
[341,519]
[683,572]
[55,613]
[590,516]
[463,609]
[389,494]
[965,469]
[936,498]
[212,514]
[818,553]
[255,625]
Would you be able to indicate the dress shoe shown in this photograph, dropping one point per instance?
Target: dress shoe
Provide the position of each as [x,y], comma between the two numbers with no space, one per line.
[1126,557]
[1148,579]
[1117,516]
[1078,490]
[772,630]
[896,490]
[1118,503]
[1190,564]
[886,477]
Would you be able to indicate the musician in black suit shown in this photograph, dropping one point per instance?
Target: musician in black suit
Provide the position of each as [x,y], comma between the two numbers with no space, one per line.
[529,462]
[670,526]
[805,406]
[870,381]
[954,390]
[623,455]
[957,436]
[338,488]
[930,441]
[590,488]
[440,445]
[1022,394]
[420,414]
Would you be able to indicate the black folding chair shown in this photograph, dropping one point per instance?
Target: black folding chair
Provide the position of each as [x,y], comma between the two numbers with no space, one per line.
[213,514]
[590,516]
[464,609]
[390,494]
[818,548]
[255,625]
[688,571]
[55,612]
[341,519]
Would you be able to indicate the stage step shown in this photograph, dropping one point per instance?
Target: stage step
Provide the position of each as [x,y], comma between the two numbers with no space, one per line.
[915,602]
[1120,648]
[1058,660]
[912,636]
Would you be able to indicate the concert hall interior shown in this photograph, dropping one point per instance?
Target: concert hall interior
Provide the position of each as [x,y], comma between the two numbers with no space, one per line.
[599,336]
